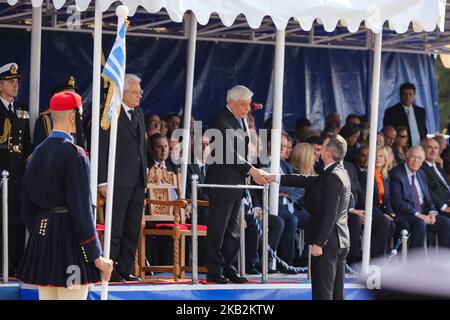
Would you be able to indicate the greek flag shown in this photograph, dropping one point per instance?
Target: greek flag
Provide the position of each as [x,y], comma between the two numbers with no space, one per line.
[114,73]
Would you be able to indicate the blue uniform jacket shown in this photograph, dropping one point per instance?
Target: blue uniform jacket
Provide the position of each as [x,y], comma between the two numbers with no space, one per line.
[58,176]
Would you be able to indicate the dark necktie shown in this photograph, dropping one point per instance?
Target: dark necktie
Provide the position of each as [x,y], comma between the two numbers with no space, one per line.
[415,195]
[202,170]
[133,118]
[11,108]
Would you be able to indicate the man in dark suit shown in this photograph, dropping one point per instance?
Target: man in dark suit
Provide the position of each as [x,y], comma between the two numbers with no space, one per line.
[327,199]
[412,201]
[438,181]
[159,249]
[228,166]
[406,114]
[199,167]
[130,179]
[15,147]
[158,147]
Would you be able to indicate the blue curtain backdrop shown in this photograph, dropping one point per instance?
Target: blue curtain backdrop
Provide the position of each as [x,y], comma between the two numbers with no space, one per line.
[316,81]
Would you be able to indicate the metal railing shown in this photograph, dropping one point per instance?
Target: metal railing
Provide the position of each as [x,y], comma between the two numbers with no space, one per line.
[4,185]
[194,217]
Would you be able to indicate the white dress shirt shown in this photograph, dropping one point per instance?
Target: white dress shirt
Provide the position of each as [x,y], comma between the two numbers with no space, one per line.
[412,122]
[6,103]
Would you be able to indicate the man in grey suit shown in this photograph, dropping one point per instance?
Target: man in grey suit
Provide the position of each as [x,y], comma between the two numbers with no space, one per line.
[327,198]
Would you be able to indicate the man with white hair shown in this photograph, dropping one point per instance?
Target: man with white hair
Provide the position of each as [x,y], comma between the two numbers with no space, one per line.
[413,203]
[223,232]
[130,179]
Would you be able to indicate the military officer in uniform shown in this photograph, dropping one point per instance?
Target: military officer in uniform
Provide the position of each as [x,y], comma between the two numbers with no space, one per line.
[15,147]
[44,123]
[63,254]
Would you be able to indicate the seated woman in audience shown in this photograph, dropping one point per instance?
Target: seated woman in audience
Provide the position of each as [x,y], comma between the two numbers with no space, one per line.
[302,162]
[400,145]
[382,213]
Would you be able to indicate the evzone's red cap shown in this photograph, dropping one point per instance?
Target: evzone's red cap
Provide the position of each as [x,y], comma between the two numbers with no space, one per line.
[65,100]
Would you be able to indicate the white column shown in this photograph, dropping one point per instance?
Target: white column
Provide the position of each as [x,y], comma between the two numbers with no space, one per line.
[35,65]
[96,90]
[277,117]
[188,101]
[372,151]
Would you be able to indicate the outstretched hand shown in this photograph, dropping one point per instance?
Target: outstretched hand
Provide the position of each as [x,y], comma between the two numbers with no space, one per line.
[259,176]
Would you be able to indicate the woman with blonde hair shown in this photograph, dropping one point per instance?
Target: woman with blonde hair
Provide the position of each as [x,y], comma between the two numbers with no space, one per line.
[303,160]
[382,213]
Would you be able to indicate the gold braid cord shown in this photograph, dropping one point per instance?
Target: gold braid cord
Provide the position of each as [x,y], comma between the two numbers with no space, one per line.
[47,123]
[6,129]
[105,122]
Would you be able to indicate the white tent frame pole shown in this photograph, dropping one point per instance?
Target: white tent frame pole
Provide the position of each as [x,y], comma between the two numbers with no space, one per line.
[95,112]
[372,151]
[277,116]
[35,65]
[188,101]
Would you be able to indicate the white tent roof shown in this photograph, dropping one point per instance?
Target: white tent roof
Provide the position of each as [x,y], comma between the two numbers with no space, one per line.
[424,14]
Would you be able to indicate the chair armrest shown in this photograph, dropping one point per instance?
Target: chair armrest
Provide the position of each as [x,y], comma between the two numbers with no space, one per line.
[178,203]
[201,203]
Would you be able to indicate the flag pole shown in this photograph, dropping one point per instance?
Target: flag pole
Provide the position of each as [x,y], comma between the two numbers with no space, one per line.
[121,12]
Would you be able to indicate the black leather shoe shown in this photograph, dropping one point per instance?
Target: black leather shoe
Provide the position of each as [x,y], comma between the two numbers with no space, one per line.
[288,271]
[272,271]
[115,277]
[252,270]
[130,277]
[235,278]
[217,279]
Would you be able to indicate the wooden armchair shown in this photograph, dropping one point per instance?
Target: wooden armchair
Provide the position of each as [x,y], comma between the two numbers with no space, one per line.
[165,216]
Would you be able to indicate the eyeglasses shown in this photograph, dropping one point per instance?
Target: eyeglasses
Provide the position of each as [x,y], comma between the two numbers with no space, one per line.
[136,91]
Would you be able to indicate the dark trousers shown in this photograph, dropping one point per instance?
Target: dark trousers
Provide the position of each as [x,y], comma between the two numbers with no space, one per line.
[286,247]
[418,230]
[253,237]
[128,204]
[16,246]
[16,228]
[222,241]
[382,233]
[327,274]
[354,228]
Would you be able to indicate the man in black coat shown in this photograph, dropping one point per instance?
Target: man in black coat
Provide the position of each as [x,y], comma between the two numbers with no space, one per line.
[438,182]
[228,166]
[130,179]
[15,147]
[406,114]
[327,199]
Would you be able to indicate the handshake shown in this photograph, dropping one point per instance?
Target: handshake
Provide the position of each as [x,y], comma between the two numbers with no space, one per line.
[261,177]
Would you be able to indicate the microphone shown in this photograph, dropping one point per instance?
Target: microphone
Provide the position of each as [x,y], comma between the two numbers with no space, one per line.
[256,106]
